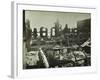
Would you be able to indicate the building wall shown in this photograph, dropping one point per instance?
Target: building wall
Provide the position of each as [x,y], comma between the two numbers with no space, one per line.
[84,30]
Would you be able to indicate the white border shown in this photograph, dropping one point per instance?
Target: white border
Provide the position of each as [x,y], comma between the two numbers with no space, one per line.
[17,68]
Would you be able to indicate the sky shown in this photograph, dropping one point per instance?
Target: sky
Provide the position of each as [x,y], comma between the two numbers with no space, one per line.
[48,18]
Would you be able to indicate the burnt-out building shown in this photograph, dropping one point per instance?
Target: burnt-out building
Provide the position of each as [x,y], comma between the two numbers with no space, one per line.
[84,30]
[43,32]
[70,36]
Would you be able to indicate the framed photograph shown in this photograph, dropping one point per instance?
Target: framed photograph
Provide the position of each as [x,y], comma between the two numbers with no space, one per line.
[49,40]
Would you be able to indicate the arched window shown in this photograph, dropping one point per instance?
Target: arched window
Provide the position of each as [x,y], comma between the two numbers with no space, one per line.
[53,32]
[44,34]
[44,29]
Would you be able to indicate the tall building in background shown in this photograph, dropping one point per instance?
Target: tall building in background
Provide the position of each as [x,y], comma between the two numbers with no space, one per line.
[58,28]
[35,33]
